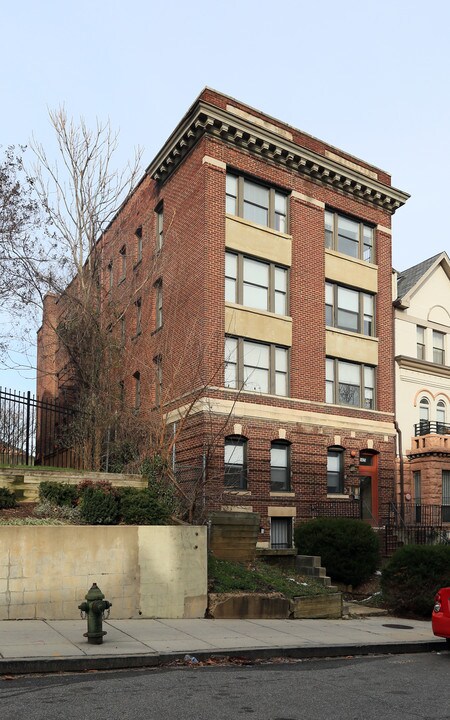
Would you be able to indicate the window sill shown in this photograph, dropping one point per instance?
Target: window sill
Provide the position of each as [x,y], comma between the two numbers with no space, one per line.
[351,333]
[281,493]
[358,261]
[136,264]
[157,330]
[264,228]
[122,279]
[135,337]
[337,496]
[237,492]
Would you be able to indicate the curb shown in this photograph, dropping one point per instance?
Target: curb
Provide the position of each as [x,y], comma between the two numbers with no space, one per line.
[153,660]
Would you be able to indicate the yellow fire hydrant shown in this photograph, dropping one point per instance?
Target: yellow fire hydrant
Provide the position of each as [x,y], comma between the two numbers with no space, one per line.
[94,606]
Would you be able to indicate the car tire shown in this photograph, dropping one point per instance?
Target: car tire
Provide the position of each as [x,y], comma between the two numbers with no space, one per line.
[447,640]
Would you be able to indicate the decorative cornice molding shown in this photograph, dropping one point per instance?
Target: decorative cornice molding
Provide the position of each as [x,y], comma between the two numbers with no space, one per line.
[207,119]
[424,366]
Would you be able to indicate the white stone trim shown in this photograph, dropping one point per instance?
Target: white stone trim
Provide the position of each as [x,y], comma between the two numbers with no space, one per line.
[306,198]
[212,161]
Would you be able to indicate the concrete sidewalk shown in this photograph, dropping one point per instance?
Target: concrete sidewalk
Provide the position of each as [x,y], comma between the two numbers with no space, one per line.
[28,646]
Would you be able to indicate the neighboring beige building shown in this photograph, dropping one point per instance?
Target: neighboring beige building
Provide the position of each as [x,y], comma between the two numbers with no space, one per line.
[422,376]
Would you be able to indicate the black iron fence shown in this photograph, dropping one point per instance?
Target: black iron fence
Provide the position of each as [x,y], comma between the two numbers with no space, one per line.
[34,432]
[428,427]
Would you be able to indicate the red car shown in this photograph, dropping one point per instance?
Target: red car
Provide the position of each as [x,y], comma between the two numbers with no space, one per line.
[440,619]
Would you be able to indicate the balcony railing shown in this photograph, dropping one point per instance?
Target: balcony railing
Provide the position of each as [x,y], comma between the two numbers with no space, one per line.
[429,427]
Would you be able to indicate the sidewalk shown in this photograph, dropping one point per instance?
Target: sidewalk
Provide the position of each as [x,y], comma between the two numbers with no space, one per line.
[38,646]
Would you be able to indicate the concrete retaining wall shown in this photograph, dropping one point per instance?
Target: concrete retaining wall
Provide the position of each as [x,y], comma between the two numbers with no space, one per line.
[145,571]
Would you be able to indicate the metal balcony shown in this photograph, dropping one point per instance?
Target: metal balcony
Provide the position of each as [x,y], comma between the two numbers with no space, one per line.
[429,427]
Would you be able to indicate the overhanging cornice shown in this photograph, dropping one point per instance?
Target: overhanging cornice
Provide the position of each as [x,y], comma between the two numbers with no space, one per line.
[424,366]
[207,119]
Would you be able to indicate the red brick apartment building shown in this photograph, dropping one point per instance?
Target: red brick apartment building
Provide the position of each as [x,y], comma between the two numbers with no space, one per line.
[254,264]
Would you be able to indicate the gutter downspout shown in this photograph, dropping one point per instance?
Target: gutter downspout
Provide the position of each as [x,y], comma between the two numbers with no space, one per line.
[401,468]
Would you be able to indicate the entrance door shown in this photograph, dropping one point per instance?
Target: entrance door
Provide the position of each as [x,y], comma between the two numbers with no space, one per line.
[368,483]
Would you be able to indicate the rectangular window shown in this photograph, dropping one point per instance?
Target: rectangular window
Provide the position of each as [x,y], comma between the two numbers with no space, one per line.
[438,347]
[137,390]
[420,342]
[158,379]
[417,495]
[138,306]
[255,366]
[349,309]
[348,236]
[122,326]
[350,384]
[280,533]
[138,235]
[110,276]
[235,463]
[123,263]
[446,496]
[159,304]
[335,471]
[280,467]
[256,202]
[256,284]
[159,227]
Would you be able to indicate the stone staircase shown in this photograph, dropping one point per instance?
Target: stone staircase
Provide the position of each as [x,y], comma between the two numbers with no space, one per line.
[310,566]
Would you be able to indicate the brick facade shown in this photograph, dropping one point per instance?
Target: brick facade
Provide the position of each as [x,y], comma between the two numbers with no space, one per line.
[187,182]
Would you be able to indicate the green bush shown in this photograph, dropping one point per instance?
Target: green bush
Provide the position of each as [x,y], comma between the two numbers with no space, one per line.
[7,498]
[349,548]
[412,577]
[145,507]
[99,506]
[58,493]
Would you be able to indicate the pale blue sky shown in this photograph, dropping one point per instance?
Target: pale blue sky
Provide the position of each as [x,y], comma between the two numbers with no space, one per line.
[369,77]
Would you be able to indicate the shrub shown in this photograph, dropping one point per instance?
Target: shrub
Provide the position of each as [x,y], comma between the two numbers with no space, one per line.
[7,498]
[412,577]
[349,548]
[58,512]
[145,507]
[58,493]
[98,506]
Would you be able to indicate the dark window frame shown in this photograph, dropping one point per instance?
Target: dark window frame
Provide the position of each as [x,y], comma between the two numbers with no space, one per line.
[335,488]
[235,474]
[280,471]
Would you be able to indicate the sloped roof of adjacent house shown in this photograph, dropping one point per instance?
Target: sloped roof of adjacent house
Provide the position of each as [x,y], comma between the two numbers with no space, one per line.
[409,278]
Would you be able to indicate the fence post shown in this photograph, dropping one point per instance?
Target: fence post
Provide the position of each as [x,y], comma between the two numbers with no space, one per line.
[27,441]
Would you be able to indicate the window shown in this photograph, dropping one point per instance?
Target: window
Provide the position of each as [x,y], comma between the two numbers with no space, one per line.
[446,496]
[138,234]
[441,427]
[349,309]
[438,347]
[350,237]
[138,306]
[122,326]
[110,275]
[255,283]
[280,532]
[420,342]
[335,470]
[256,366]
[235,462]
[417,495]
[159,226]
[280,467]
[137,390]
[159,304]
[123,263]
[350,384]
[258,203]
[158,379]
[121,393]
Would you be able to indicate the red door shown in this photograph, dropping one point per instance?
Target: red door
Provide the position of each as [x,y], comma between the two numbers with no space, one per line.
[368,486]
